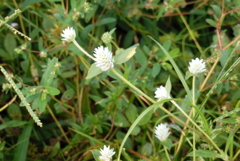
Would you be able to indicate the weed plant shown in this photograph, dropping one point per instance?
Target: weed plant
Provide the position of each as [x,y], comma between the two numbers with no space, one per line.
[119,80]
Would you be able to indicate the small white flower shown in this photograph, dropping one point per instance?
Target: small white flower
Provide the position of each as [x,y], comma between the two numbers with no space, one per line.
[103,58]
[162,132]
[197,66]
[161,93]
[106,153]
[68,34]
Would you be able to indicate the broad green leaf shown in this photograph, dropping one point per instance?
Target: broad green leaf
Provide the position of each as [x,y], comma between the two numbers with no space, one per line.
[105,21]
[211,22]
[27,3]
[147,148]
[10,44]
[146,119]
[52,90]
[67,95]
[232,120]
[136,131]
[125,55]
[217,10]
[121,120]
[128,39]
[96,154]
[4,54]
[131,113]
[42,104]
[21,151]
[14,111]
[93,71]
[50,72]
[205,154]
[160,12]
[156,69]
[91,13]
[141,58]
[167,143]
[86,31]
[188,75]
[12,123]
[74,49]
[68,74]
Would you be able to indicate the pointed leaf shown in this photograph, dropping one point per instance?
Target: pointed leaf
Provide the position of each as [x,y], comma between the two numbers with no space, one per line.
[125,55]
[205,154]
[93,71]
[211,22]
[96,154]
[52,90]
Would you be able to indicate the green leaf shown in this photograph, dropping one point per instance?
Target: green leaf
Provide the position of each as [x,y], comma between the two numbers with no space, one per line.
[12,123]
[160,12]
[42,105]
[136,131]
[156,69]
[205,154]
[14,111]
[86,31]
[111,32]
[27,3]
[167,143]
[74,49]
[22,146]
[96,154]
[121,120]
[67,95]
[125,55]
[10,44]
[50,72]
[211,22]
[91,13]
[131,113]
[217,10]
[93,71]
[168,85]
[188,75]
[51,90]
[146,119]
[128,39]
[105,21]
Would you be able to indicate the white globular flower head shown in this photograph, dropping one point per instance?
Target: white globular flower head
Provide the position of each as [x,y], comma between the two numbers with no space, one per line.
[161,93]
[162,132]
[68,34]
[103,58]
[197,66]
[106,153]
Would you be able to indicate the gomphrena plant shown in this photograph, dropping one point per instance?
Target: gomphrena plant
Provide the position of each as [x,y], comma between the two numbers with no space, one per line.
[122,80]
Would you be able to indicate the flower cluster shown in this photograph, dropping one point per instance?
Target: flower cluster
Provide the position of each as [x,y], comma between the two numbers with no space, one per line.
[106,153]
[161,93]
[68,34]
[103,58]
[197,66]
[162,132]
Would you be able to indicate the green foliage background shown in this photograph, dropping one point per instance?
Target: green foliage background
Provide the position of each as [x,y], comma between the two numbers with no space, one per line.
[80,115]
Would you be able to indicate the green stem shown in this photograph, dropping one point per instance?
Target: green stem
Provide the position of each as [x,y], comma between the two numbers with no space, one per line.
[194,134]
[82,50]
[165,148]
